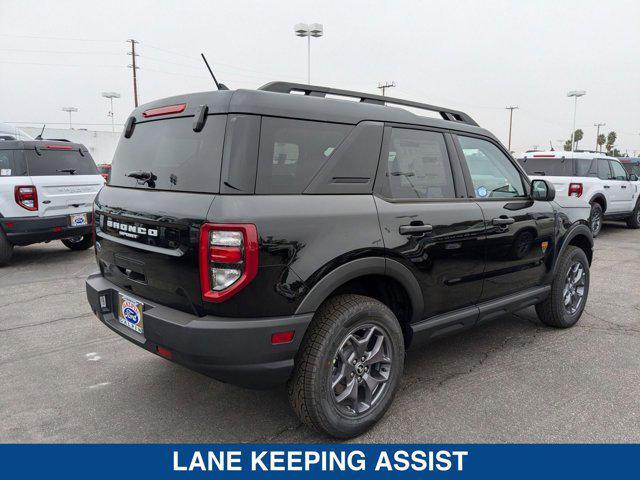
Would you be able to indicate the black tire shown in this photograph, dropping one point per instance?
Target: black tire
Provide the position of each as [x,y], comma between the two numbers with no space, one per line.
[595,219]
[6,249]
[552,311]
[82,243]
[311,394]
[634,220]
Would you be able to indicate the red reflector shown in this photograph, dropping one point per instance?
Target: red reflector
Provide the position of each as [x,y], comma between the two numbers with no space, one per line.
[168,110]
[575,189]
[226,254]
[60,147]
[164,352]
[544,156]
[57,229]
[9,224]
[282,337]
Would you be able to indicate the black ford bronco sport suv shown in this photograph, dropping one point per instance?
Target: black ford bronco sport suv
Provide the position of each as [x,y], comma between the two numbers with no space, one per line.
[286,235]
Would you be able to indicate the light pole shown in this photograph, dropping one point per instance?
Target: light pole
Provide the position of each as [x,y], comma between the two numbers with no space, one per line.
[70,110]
[511,109]
[575,94]
[111,96]
[308,30]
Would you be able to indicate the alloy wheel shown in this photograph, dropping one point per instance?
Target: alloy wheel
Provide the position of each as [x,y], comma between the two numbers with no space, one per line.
[574,288]
[361,370]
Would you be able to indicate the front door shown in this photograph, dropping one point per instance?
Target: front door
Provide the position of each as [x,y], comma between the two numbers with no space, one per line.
[519,232]
[426,220]
[623,189]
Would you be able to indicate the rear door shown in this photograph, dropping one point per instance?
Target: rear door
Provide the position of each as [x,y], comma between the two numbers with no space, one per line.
[623,189]
[427,223]
[164,179]
[66,179]
[519,232]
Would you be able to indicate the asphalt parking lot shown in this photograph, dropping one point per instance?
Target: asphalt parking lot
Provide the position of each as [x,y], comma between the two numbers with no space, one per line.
[65,377]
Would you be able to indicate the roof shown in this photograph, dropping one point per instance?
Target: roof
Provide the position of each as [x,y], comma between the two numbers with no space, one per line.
[43,144]
[306,107]
[551,154]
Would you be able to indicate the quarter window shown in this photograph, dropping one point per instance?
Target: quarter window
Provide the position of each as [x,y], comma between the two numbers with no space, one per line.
[492,172]
[418,165]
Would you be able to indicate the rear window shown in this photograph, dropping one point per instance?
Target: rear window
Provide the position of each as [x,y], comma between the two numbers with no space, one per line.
[293,151]
[176,157]
[59,162]
[551,167]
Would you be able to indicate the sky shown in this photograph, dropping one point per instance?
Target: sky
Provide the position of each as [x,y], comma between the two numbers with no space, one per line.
[476,56]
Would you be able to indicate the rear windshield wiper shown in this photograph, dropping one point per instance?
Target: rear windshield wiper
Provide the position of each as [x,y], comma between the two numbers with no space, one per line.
[144,177]
[70,171]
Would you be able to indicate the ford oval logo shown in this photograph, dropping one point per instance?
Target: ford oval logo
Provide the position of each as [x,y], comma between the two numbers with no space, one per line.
[131,314]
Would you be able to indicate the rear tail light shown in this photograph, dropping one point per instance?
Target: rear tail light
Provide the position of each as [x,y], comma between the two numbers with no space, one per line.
[27,197]
[575,189]
[228,259]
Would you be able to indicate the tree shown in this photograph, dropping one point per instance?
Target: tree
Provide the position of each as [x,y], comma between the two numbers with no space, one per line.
[567,146]
[577,136]
[601,140]
[611,140]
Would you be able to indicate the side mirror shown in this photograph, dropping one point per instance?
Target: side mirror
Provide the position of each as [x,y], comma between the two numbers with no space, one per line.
[633,177]
[542,190]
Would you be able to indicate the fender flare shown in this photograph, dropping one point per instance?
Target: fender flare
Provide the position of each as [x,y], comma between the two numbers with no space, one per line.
[359,268]
[599,196]
[574,231]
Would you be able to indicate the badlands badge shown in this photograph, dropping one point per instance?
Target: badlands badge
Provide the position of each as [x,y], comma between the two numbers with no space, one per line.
[130,313]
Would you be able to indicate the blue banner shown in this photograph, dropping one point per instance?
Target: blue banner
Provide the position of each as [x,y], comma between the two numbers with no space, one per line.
[113,462]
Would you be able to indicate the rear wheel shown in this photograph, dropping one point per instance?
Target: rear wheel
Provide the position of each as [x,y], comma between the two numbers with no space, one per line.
[569,291]
[6,249]
[348,367]
[595,219]
[634,220]
[78,243]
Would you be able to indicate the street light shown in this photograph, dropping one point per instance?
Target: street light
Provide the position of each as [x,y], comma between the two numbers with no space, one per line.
[308,30]
[111,96]
[575,94]
[69,110]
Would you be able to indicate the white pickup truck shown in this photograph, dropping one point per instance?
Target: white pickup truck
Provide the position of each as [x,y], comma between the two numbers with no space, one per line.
[592,177]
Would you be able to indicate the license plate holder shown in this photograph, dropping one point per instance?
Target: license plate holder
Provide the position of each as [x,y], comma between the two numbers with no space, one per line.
[130,313]
[78,220]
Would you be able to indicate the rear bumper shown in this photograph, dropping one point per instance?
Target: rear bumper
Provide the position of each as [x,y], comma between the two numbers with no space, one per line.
[233,350]
[28,230]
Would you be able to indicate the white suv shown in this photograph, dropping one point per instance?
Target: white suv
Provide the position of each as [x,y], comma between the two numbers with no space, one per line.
[47,190]
[600,180]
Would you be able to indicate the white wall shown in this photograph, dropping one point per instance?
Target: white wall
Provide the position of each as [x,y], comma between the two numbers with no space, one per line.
[101,144]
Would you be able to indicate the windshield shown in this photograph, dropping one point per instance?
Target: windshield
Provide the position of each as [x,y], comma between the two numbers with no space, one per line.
[169,155]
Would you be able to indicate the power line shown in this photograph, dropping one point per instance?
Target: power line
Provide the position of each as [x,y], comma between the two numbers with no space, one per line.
[61,38]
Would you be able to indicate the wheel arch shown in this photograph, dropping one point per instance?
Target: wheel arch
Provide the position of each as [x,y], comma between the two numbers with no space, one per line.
[579,236]
[600,199]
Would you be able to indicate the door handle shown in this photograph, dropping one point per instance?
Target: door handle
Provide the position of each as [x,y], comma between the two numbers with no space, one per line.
[607,186]
[623,186]
[503,221]
[413,229]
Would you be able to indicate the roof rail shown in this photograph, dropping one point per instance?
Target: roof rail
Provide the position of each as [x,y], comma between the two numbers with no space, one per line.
[317,91]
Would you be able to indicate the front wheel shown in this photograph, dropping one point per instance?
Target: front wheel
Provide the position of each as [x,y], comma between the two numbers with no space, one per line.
[78,243]
[634,220]
[348,367]
[569,290]
[595,219]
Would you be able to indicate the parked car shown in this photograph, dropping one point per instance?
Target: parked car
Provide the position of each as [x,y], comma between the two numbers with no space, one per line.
[263,237]
[9,132]
[46,193]
[631,165]
[105,171]
[602,181]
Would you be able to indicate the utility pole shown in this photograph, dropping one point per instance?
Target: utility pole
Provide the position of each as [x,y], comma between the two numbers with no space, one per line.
[511,109]
[134,68]
[70,110]
[598,134]
[384,86]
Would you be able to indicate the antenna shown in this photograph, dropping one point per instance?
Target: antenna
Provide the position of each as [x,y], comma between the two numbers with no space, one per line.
[219,86]
[39,137]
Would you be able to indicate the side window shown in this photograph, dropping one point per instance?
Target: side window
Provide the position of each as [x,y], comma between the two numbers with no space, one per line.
[293,151]
[604,172]
[619,173]
[6,163]
[585,167]
[492,172]
[418,165]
